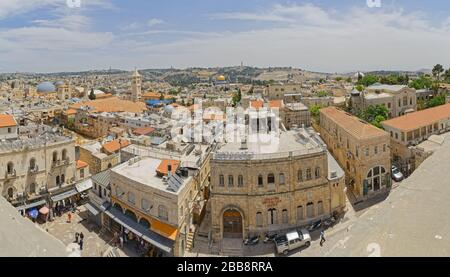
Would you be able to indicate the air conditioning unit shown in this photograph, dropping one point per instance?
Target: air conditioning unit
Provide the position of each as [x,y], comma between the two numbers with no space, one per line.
[20,195]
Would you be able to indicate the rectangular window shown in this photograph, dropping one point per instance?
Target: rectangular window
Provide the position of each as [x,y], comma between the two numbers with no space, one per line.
[376,150]
[285,216]
[260,181]
[221,181]
[320,208]
[230,181]
[259,219]
[367,152]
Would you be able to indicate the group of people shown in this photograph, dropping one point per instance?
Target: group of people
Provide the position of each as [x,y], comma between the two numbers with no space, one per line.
[79,238]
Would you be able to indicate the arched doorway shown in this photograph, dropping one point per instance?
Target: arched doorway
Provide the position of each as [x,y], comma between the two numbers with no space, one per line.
[117,206]
[232,224]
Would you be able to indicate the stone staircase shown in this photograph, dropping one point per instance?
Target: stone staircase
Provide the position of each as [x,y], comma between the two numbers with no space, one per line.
[190,241]
[111,253]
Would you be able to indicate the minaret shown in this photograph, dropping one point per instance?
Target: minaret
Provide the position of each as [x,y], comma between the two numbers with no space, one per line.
[136,86]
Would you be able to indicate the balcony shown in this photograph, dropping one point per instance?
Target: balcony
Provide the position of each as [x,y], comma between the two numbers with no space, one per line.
[33,169]
[59,163]
[10,174]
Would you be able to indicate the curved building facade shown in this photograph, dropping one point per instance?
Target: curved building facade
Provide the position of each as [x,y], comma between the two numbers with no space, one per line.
[254,194]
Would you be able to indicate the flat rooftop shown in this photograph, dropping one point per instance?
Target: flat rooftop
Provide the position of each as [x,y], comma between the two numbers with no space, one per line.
[302,141]
[143,171]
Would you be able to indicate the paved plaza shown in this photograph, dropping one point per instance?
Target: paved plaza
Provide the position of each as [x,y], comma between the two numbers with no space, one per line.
[97,243]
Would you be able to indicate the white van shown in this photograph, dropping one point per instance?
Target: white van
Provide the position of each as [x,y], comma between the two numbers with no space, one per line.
[292,240]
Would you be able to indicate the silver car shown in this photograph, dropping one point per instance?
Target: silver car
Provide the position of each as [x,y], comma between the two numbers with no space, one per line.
[396,174]
[292,240]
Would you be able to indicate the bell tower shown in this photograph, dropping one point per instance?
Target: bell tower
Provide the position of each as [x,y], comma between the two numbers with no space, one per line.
[136,86]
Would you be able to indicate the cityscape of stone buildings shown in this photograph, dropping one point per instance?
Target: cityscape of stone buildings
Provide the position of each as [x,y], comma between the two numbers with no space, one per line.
[126,150]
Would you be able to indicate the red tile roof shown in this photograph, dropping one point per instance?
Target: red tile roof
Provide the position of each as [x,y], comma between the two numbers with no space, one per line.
[114,146]
[7,120]
[81,164]
[352,124]
[143,131]
[163,168]
[416,120]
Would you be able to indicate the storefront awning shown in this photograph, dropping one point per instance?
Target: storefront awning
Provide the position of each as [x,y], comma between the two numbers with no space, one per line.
[155,239]
[32,205]
[64,195]
[92,209]
[83,186]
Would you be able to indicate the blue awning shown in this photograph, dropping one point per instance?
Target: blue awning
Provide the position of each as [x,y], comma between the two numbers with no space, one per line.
[155,239]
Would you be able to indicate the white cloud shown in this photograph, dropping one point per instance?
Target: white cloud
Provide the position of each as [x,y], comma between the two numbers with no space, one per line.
[154,21]
[305,36]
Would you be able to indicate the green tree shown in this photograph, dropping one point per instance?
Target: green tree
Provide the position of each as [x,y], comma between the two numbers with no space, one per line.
[315,112]
[359,88]
[237,97]
[423,82]
[368,80]
[338,79]
[437,71]
[92,95]
[349,80]
[375,114]
[323,93]
[436,101]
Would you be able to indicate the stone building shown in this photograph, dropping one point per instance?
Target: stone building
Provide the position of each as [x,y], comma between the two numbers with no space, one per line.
[97,158]
[360,148]
[278,91]
[398,99]
[163,196]
[257,193]
[409,130]
[38,167]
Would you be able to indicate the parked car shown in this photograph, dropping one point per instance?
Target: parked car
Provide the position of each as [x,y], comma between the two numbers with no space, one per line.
[292,240]
[396,174]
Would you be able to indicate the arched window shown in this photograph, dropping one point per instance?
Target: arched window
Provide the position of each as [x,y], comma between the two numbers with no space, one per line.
[162,213]
[109,165]
[300,176]
[272,216]
[33,164]
[55,156]
[259,219]
[58,181]
[230,180]
[285,216]
[10,168]
[131,198]
[64,154]
[320,208]
[240,181]
[310,210]
[63,178]
[144,222]
[221,181]
[317,172]
[300,213]
[308,174]
[282,179]
[145,204]
[271,179]
[260,181]
[10,192]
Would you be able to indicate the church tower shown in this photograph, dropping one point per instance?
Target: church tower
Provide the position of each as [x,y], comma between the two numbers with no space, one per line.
[136,86]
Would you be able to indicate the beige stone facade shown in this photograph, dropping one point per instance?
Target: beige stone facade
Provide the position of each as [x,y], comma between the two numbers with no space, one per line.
[361,149]
[399,100]
[32,170]
[258,194]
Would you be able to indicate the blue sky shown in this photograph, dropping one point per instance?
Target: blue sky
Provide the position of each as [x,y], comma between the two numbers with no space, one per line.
[322,35]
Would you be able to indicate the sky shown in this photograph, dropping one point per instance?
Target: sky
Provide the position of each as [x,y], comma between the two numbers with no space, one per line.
[323,35]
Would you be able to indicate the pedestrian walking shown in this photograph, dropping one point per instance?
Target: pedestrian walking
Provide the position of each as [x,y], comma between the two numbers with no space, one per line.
[81,236]
[322,238]
[76,237]
[81,244]
[69,218]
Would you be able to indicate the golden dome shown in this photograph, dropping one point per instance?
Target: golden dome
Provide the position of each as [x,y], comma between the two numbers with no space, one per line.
[221,78]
